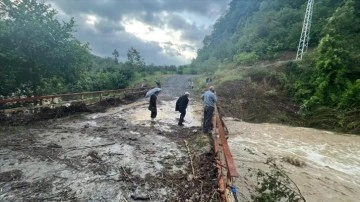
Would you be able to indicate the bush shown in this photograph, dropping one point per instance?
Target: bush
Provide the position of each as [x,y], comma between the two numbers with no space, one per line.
[246,58]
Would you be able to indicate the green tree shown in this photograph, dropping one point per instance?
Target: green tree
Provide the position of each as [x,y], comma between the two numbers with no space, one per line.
[264,27]
[332,64]
[116,56]
[37,52]
[135,60]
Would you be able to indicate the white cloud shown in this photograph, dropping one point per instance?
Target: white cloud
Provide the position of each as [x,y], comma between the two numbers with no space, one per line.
[91,19]
[161,36]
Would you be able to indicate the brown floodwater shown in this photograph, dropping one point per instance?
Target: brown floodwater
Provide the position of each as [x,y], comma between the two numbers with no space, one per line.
[332,160]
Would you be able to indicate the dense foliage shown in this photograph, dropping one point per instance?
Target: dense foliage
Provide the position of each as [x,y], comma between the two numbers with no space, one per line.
[253,30]
[37,52]
[326,83]
[40,55]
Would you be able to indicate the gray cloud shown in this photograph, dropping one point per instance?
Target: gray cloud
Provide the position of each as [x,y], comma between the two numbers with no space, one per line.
[114,9]
[105,26]
[193,18]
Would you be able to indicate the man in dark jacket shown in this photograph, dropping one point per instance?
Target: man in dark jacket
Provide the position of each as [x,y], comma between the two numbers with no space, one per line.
[152,106]
[181,105]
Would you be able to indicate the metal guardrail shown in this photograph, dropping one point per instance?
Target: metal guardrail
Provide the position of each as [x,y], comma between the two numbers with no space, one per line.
[224,161]
[14,104]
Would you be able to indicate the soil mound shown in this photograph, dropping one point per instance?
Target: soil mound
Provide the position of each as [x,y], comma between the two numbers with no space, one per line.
[256,100]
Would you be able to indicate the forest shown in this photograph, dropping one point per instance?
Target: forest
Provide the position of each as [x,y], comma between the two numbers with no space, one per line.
[40,55]
[326,83]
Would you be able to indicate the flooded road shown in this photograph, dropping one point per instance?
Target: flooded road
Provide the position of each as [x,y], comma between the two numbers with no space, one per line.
[111,156]
[331,162]
[114,155]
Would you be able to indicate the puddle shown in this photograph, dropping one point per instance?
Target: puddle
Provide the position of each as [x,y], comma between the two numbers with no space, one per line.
[166,115]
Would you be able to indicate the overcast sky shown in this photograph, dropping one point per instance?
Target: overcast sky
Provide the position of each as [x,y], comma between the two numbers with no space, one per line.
[163,31]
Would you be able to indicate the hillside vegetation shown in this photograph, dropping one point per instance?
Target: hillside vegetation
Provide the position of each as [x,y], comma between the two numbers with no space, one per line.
[322,90]
[40,55]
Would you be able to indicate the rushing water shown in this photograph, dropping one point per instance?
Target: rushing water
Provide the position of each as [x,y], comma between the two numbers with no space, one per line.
[332,171]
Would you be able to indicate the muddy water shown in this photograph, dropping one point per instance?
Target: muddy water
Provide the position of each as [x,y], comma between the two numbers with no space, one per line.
[332,161]
[166,114]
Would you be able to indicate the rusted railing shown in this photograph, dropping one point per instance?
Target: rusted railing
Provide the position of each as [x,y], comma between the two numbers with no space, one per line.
[14,104]
[224,161]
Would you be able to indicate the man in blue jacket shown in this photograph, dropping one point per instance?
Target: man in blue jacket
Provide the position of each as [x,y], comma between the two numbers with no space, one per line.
[209,99]
[181,105]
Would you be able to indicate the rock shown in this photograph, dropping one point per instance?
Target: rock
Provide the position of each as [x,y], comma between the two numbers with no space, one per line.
[53,145]
[132,138]
[9,176]
[140,197]
[190,177]
[195,131]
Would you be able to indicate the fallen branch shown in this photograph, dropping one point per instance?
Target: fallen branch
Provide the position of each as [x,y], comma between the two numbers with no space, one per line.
[249,161]
[284,174]
[127,175]
[113,154]
[273,164]
[201,189]
[87,147]
[212,196]
[189,154]
[218,163]
[124,199]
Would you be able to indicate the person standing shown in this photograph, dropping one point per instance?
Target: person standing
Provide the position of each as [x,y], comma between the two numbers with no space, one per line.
[152,106]
[158,84]
[189,83]
[209,99]
[181,105]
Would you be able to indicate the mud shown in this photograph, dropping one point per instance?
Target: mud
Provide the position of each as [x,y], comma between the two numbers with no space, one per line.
[257,100]
[21,116]
[115,155]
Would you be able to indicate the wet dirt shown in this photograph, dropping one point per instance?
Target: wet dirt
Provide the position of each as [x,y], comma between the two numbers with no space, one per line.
[116,155]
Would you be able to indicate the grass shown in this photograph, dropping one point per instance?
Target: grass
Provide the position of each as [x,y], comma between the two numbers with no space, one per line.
[148,80]
[229,72]
[201,141]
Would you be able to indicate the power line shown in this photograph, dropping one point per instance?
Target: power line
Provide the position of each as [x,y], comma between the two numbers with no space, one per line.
[305,32]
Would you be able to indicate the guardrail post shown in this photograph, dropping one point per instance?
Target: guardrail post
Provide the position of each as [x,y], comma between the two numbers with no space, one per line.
[224,157]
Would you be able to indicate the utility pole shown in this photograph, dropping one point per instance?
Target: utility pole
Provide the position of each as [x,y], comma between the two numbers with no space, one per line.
[305,32]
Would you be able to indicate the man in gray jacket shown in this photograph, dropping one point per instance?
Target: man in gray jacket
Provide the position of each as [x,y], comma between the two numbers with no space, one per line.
[209,99]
